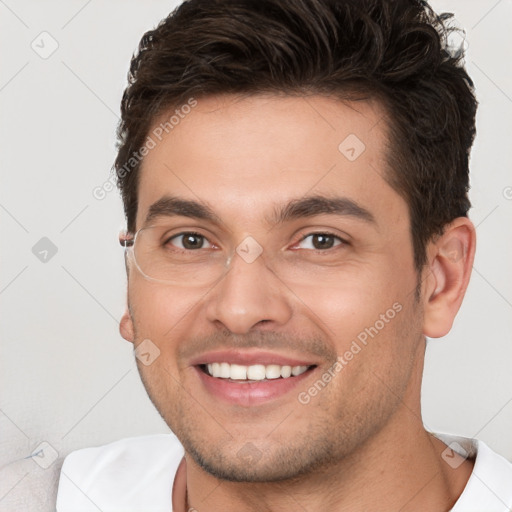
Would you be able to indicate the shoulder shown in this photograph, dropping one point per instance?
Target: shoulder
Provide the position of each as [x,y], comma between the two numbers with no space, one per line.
[489,487]
[131,474]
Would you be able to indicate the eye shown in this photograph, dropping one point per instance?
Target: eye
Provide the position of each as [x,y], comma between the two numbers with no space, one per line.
[320,241]
[190,241]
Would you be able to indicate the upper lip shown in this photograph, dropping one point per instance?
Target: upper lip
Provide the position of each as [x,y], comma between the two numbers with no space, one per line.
[248,358]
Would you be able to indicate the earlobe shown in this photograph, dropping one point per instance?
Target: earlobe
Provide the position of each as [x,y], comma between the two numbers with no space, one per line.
[126,326]
[450,262]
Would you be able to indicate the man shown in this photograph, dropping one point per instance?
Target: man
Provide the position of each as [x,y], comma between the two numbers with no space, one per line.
[294,177]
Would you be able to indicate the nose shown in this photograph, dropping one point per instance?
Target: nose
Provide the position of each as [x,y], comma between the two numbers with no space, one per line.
[249,294]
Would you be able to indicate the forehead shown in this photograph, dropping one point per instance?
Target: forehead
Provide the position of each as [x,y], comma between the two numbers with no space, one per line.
[244,156]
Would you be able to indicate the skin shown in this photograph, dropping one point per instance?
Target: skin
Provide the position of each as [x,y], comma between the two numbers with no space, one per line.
[358,444]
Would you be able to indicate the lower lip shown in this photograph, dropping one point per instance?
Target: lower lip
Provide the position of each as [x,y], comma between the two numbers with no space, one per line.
[248,394]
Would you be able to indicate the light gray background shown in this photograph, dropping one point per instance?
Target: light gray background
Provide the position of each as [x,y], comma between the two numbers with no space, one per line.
[66,376]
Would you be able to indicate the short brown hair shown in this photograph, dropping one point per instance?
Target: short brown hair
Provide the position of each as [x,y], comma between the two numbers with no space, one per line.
[393,50]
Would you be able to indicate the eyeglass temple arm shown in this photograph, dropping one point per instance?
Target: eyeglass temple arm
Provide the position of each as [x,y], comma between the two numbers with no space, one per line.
[126,239]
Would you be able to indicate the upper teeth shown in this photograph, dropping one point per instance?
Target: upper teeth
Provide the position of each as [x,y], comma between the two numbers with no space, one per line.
[253,372]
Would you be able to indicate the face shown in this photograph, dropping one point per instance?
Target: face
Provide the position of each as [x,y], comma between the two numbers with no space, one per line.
[296,257]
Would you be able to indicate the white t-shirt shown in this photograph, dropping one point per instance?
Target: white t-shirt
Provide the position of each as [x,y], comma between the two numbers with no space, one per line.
[137,474]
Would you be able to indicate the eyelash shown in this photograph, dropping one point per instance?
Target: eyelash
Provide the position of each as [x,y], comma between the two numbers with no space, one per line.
[342,242]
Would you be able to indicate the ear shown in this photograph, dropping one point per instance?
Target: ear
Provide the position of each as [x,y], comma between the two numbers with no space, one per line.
[450,261]
[126,326]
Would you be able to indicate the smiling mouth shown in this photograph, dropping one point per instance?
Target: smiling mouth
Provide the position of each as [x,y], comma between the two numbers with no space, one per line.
[253,373]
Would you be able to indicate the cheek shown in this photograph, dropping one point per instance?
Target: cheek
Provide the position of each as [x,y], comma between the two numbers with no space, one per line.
[159,311]
[373,326]
[163,315]
[362,303]
[374,365]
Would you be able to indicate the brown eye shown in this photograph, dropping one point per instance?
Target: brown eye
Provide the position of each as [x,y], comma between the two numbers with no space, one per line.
[189,241]
[323,241]
[320,241]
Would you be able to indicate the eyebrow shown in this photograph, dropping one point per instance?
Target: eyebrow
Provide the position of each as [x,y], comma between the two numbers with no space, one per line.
[318,205]
[170,206]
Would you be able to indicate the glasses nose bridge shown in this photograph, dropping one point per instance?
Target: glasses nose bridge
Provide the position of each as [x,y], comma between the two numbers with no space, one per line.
[250,254]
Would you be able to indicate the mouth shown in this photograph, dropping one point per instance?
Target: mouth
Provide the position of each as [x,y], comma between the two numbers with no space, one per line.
[262,379]
[254,373]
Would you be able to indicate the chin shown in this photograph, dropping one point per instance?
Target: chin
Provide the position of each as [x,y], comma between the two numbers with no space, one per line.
[276,463]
